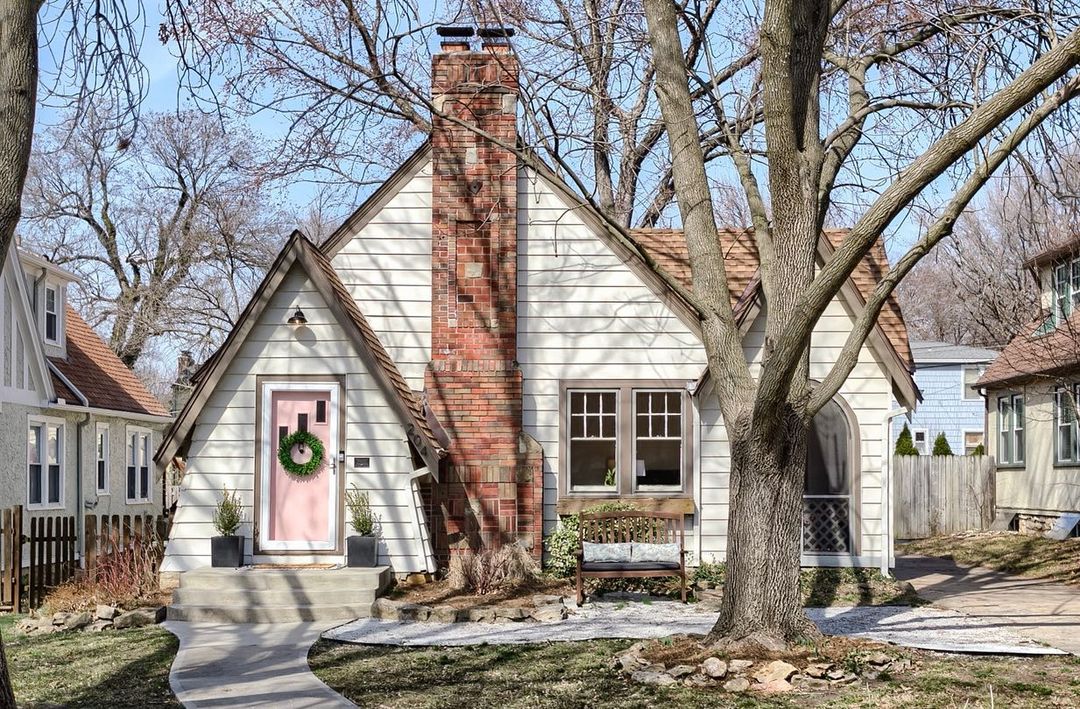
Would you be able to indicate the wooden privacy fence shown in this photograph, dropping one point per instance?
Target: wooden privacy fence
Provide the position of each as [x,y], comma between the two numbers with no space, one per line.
[942,494]
[33,564]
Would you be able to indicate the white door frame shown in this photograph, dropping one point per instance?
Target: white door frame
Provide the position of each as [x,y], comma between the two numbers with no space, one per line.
[269,456]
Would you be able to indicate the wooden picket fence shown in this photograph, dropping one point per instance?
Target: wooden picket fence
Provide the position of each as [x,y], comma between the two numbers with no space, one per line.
[938,494]
[52,546]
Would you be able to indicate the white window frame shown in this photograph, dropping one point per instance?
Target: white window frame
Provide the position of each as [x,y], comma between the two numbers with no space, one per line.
[46,423]
[102,456]
[147,449]
[1010,429]
[1074,454]
[970,393]
[925,450]
[570,415]
[680,438]
[58,312]
[965,433]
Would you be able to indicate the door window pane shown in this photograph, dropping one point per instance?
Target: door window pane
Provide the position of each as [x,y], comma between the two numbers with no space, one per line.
[592,445]
[828,468]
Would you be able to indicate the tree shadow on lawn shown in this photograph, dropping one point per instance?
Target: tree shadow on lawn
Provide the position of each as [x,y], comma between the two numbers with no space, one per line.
[109,669]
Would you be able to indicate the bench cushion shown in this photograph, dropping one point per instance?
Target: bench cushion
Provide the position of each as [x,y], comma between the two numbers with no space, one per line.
[625,566]
[618,553]
[665,553]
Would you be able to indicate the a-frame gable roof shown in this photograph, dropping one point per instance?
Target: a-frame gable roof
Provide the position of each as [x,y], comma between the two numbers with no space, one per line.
[300,251]
[27,323]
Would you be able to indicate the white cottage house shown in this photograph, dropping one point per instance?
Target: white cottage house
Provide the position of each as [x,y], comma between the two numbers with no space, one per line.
[480,351]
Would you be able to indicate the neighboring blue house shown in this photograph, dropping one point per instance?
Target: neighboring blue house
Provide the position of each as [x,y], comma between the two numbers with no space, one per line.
[945,374]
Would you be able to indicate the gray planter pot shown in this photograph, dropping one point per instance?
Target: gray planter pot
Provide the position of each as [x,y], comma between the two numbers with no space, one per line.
[227,552]
[362,551]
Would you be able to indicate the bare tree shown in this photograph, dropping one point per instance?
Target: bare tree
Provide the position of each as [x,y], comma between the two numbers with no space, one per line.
[169,228]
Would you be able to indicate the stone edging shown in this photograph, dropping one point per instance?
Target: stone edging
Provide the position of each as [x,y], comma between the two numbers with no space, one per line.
[103,618]
[543,609]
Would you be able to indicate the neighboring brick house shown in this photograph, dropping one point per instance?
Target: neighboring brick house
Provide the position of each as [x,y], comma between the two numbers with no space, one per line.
[78,428]
[1031,391]
[951,403]
[482,352]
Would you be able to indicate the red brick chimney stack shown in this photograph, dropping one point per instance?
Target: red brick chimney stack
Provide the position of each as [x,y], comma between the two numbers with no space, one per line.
[486,496]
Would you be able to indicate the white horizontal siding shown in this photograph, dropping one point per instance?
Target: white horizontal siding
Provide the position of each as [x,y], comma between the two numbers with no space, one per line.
[386,266]
[222,448]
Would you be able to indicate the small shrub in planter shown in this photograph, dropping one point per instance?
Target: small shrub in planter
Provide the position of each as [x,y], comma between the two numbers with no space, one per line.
[227,550]
[362,548]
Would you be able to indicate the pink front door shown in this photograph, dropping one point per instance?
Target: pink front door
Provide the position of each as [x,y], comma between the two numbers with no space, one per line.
[299,512]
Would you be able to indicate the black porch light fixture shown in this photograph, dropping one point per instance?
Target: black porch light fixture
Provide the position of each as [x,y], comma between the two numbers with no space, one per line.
[297,318]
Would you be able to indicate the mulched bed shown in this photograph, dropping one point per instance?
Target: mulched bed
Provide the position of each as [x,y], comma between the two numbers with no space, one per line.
[441,593]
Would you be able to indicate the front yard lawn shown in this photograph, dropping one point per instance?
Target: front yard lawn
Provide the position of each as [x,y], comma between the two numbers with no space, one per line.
[114,668]
[580,674]
[1010,552]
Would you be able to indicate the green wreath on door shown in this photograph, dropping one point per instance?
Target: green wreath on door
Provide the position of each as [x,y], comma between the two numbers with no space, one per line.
[301,439]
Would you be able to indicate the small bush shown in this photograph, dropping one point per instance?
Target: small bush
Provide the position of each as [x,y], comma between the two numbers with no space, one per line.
[941,445]
[711,571]
[563,542]
[904,443]
[491,569]
[979,450]
[229,514]
[362,518]
[126,578]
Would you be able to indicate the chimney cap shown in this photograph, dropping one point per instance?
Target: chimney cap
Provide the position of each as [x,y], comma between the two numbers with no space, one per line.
[496,32]
[455,31]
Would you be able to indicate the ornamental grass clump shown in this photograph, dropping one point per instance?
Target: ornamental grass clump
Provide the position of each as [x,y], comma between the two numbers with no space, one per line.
[362,518]
[229,514]
[124,577]
[491,570]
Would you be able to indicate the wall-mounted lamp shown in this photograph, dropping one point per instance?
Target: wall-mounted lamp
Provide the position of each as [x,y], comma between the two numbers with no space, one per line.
[297,318]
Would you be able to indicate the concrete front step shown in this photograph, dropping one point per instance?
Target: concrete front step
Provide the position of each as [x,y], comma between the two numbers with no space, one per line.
[267,614]
[255,595]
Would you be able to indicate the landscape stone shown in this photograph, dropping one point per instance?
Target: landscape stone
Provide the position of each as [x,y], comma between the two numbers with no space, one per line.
[416,579]
[651,677]
[715,667]
[879,658]
[739,665]
[98,625]
[817,670]
[386,609]
[138,618]
[775,670]
[697,680]
[680,671]
[543,599]
[59,618]
[550,613]
[835,674]
[104,612]
[631,663]
[480,615]
[444,614]
[738,684]
[776,686]
[512,613]
[78,621]
[413,612]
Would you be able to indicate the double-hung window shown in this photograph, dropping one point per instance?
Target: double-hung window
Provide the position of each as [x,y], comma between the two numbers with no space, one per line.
[52,314]
[101,469]
[139,455]
[972,372]
[44,463]
[1066,440]
[624,439]
[1011,429]
[1066,281]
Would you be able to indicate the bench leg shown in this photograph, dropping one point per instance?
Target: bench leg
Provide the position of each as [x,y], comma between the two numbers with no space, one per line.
[682,584]
[580,590]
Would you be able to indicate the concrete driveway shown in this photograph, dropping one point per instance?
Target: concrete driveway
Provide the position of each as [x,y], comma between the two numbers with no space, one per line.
[1046,611]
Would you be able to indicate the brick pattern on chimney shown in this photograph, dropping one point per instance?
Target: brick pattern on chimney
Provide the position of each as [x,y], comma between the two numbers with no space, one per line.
[490,491]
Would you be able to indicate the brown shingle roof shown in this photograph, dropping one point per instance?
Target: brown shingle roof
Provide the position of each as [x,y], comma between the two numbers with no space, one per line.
[1031,355]
[668,248]
[98,373]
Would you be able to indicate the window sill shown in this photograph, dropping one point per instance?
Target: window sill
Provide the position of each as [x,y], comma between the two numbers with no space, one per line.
[1011,466]
[137,501]
[102,493]
[680,502]
[46,507]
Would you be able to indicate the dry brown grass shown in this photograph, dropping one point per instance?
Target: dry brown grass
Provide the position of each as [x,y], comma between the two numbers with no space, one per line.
[125,578]
[1010,552]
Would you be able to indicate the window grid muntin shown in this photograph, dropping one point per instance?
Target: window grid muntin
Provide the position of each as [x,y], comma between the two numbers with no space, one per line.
[666,416]
[1011,442]
[599,415]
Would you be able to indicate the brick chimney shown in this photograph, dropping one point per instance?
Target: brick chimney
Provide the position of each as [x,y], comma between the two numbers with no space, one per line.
[486,496]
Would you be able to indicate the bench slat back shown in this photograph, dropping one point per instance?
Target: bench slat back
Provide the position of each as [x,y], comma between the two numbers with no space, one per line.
[645,527]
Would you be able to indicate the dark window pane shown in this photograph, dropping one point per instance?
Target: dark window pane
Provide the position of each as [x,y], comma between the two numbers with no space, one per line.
[577,426]
[301,422]
[320,411]
[662,462]
[101,474]
[35,484]
[828,470]
[144,483]
[282,432]
[131,482]
[592,427]
[50,326]
[642,428]
[608,426]
[54,483]
[589,461]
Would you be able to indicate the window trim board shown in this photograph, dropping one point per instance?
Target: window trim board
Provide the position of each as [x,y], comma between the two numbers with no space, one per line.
[61,424]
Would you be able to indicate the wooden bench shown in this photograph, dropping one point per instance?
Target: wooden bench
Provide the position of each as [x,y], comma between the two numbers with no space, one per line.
[630,527]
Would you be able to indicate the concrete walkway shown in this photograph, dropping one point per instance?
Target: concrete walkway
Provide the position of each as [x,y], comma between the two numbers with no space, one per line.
[1043,610]
[222,665]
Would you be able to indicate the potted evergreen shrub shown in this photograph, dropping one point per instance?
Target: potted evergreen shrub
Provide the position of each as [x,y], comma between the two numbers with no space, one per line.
[362,548]
[227,550]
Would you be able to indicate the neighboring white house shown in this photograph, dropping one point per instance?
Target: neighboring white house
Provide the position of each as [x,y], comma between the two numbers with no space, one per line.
[78,428]
[483,353]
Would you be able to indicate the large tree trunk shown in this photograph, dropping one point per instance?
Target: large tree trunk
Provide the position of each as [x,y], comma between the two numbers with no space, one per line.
[18,96]
[761,606]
